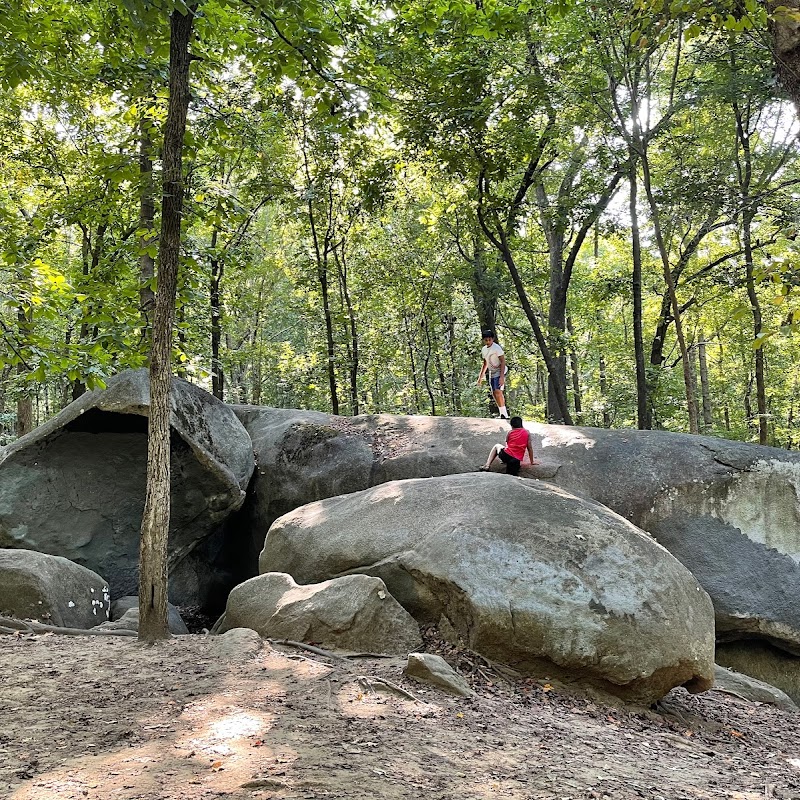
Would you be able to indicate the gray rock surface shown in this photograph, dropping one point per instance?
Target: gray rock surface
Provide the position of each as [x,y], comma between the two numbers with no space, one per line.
[433,669]
[748,688]
[237,644]
[727,510]
[52,590]
[760,660]
[75,485]
[124,605]
[351,613]
[526,573]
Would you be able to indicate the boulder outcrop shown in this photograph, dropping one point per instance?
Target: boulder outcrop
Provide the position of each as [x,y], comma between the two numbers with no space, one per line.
[75,486]
[351,613]
[52,590]
[526,573]
[728,510]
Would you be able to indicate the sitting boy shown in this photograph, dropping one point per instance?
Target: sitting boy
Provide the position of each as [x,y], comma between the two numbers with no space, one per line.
[518,441]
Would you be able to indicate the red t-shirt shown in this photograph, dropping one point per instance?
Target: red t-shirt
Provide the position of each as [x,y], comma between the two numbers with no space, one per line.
[517,443]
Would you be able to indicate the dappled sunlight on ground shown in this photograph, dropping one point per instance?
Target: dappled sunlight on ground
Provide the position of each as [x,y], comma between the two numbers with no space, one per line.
[111,720]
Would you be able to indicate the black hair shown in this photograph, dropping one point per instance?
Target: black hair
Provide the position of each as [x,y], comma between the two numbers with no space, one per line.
[516,422]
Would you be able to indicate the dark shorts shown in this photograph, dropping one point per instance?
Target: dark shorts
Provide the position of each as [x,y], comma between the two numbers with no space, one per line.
[512,464]
[494,380]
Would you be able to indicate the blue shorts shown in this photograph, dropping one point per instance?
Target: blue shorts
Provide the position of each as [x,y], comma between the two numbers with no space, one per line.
[494,380]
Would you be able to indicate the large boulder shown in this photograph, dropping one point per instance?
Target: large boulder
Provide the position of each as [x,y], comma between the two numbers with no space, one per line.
[75,486]
[351,613]
[726,509]
[526,573]
[52,590]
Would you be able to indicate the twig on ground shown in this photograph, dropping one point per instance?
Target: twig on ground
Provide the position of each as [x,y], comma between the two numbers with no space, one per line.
[485,676]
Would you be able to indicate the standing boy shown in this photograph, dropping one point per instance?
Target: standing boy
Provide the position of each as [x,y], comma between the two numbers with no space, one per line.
[494,365]
[518,441]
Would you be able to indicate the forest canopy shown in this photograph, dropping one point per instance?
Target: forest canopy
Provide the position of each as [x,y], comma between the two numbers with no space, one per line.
[611,187]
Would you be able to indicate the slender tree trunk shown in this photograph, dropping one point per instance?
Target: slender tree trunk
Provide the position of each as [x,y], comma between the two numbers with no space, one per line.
[708,417]
[156,516]
[451,342]
[643,412]
[217,375]
[425,376]
[410,343]
[692,350]
[748,406]
[341,267]
[575,370]
[755,308]
[147,215]
[555,386]
[673,297]
[24,400]
[322,274]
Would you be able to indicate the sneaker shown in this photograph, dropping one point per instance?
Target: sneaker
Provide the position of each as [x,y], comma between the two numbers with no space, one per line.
[484,468]
[504,416]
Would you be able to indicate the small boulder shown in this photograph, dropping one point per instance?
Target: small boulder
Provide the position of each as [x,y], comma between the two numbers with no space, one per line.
[237,644]
[740,685]
[121,607]
[433,669]
[351,613]
[762,661]
[52,590]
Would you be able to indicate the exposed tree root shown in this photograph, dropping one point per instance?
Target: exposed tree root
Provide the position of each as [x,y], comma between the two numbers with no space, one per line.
[310,648]
[12,625]
[367,682]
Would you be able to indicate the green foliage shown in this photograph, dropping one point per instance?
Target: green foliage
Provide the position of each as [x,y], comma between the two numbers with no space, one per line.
[333,162]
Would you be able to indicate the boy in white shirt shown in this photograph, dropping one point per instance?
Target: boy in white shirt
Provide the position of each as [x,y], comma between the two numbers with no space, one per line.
[494,365]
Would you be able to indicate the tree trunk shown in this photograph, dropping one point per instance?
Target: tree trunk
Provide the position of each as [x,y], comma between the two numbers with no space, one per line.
[322,274]
[215,303]
[748,214]
[691,405]
[147,215]
[556,386]
[24,400]
[644,417]
[575,370]
[341,267]
[484,287]
[156,515]
[708,417]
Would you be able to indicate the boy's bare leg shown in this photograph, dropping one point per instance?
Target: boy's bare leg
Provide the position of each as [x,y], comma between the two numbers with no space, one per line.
[492,457]
[500,399]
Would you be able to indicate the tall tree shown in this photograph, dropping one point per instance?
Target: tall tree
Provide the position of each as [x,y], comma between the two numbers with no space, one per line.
[156,515]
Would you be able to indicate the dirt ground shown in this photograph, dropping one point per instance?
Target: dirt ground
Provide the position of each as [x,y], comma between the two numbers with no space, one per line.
[106,718]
